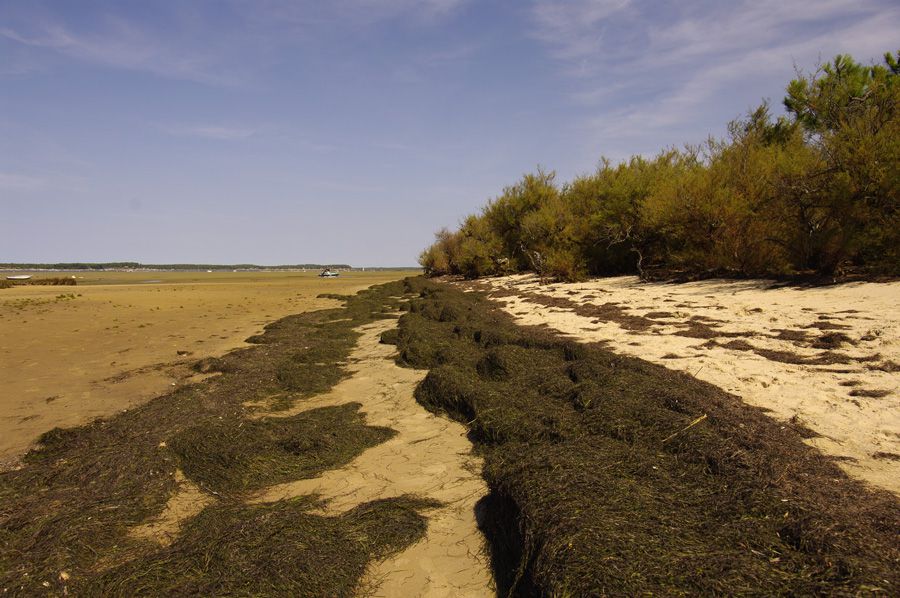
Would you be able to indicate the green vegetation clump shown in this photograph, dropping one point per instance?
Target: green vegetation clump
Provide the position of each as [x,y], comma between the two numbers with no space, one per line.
[57,281]
[280,549]
[236,455]
[613,476]
[65,514]
[816,192]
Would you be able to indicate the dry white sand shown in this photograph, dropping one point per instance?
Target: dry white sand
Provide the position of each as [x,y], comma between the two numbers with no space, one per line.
[839,401]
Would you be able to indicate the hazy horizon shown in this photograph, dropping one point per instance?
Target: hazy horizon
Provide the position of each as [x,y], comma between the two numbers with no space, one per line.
[278,131]
[199,265]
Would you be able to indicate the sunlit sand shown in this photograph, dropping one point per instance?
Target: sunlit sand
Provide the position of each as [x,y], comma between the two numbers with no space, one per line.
[73,353]
[752,340]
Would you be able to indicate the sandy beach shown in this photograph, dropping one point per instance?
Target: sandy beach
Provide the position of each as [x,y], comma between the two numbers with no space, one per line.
[69,354]
[826,358]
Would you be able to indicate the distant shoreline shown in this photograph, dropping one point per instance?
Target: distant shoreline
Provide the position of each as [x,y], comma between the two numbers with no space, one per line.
[138,267]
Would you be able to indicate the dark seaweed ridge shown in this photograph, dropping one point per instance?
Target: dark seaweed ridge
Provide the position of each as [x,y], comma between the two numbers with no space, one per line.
[613,476]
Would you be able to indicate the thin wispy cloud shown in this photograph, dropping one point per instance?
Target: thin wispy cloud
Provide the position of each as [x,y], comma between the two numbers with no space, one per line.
[462,52]
[380,9]
[417,67]
[215,132]
[228,51]
[20,182]
[121,44]
[32,184]
[765,24]
[576,30]
[676,63]
[308,14]
[626,33]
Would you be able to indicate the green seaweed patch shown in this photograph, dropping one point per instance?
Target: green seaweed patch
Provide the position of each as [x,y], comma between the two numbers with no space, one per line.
[70,507]
[278,549]
[237,455]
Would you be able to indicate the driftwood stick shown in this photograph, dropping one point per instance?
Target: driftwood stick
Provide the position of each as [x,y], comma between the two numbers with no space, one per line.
[689,426]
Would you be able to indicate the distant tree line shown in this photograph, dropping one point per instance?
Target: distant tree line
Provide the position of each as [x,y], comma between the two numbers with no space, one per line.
[139,266]
[814,192]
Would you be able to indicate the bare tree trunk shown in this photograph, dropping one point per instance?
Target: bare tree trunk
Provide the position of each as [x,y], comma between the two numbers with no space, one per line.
[537,262]
[640,262]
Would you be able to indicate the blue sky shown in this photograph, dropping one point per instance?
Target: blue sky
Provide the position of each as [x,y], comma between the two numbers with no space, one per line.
[284,131]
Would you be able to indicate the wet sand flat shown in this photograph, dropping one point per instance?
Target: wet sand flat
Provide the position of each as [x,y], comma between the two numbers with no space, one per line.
[825,358]
[69,354]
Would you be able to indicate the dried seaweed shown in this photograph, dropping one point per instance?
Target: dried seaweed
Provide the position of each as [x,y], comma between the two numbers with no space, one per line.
[65,515]
[607,479]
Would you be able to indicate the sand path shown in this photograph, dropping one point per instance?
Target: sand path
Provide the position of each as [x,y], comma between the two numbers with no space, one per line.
[430,457]
[854,405]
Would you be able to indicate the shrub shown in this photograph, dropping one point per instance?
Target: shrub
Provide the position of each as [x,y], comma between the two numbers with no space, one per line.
[816,191]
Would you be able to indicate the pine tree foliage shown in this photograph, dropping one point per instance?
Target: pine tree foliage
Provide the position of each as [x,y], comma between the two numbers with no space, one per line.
[816,191]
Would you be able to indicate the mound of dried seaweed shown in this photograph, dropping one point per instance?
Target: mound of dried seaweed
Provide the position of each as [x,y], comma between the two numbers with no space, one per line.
[613,476]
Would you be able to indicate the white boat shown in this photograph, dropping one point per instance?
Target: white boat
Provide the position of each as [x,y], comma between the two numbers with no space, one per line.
[19,277]
[328,273]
